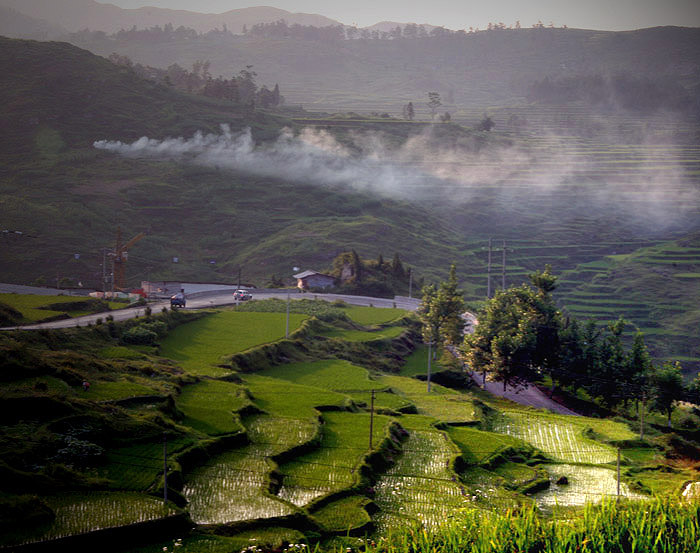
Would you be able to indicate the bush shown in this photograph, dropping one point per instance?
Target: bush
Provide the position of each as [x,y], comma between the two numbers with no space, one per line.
[140,335]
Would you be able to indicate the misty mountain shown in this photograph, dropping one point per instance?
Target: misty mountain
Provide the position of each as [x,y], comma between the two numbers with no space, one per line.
[469,70]
[75,15]
[14,24]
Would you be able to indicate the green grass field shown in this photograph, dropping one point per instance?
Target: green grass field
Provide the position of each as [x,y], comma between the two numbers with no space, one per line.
[373,316]
[365,336]
[34,308]
[200,345]
[333,374]
[211,406]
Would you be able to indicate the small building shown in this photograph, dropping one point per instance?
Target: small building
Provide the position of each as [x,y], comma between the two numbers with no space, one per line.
[314,279]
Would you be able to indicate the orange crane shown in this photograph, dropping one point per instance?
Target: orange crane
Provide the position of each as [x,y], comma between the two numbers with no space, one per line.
[121,255]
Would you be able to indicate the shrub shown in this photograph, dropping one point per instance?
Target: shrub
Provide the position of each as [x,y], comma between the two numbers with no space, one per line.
[140,335]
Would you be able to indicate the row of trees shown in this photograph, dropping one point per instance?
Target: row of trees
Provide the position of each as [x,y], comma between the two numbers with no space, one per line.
[372,276]
[239,89]
[521,337]
[281,29]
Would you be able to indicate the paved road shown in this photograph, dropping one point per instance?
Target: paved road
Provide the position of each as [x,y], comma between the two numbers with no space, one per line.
[528,395]
[203,300]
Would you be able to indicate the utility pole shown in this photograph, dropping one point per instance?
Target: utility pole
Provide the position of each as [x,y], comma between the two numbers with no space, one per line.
[104,271]
[618,472]
[488,272]
[429,358]
[641,416]
[371,419]
[286,330]
[165,469]
[503,275]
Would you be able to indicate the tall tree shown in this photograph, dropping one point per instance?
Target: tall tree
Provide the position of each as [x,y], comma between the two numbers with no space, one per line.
[441,311]
[434,102]
[668,388]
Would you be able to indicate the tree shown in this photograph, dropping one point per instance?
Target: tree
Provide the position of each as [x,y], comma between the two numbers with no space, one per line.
[486,124]
[668,388]
[504,341]
[356,267]
[446,117]
[518,332]
[380,261]
[397,266]
[441,311]
[434,102]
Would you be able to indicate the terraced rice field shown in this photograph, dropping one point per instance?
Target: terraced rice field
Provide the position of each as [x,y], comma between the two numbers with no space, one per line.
[557,437]
[335,464]
[331,374]
[210,406]
[420,486]
[365,336]
[586,485]
[201,345]
[79,513]
[441,403]
[233,485]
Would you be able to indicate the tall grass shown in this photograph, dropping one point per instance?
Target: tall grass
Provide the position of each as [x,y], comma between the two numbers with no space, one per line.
[611,527]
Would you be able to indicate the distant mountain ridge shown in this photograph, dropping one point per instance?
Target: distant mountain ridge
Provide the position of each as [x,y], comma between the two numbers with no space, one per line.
[75,15]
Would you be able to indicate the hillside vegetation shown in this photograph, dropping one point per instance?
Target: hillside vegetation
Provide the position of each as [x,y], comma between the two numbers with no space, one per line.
[559,184]
[315,439]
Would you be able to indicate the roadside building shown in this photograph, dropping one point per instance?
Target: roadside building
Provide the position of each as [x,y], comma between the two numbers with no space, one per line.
[314,279]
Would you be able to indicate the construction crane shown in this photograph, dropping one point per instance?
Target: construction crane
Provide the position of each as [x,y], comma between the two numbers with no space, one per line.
[121,255]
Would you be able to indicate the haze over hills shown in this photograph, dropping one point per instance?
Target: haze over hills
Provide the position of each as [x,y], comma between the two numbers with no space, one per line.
[75,15]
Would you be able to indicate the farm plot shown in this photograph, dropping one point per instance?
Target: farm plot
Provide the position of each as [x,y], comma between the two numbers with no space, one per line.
[421,485]
[232,486]
[586,485]
[79,513]
[210,406]
[441,403]
[374,315]
[477,446]
[283,398]
[136,467]
[36,308]
[331,374]
[335,464]
[365,336]
[201,345]
[561,438]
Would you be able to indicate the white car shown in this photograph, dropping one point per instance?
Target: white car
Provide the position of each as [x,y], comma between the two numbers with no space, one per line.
[242,295]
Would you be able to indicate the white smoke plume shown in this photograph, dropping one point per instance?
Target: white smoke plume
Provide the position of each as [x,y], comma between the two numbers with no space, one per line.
[444,170]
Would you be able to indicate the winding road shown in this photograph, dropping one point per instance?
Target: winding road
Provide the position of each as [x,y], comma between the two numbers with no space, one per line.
[528,395]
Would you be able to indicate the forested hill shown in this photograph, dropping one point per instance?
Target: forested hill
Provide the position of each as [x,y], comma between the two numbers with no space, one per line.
[56,90]
[479,68]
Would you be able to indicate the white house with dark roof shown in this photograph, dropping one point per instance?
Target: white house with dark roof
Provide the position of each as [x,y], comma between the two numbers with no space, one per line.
[314,279]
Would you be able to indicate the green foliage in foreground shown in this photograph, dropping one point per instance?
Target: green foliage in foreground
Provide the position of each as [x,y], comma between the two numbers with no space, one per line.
[653,526]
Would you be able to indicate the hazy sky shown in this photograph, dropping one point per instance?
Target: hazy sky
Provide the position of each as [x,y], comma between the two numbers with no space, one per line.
[460,14]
